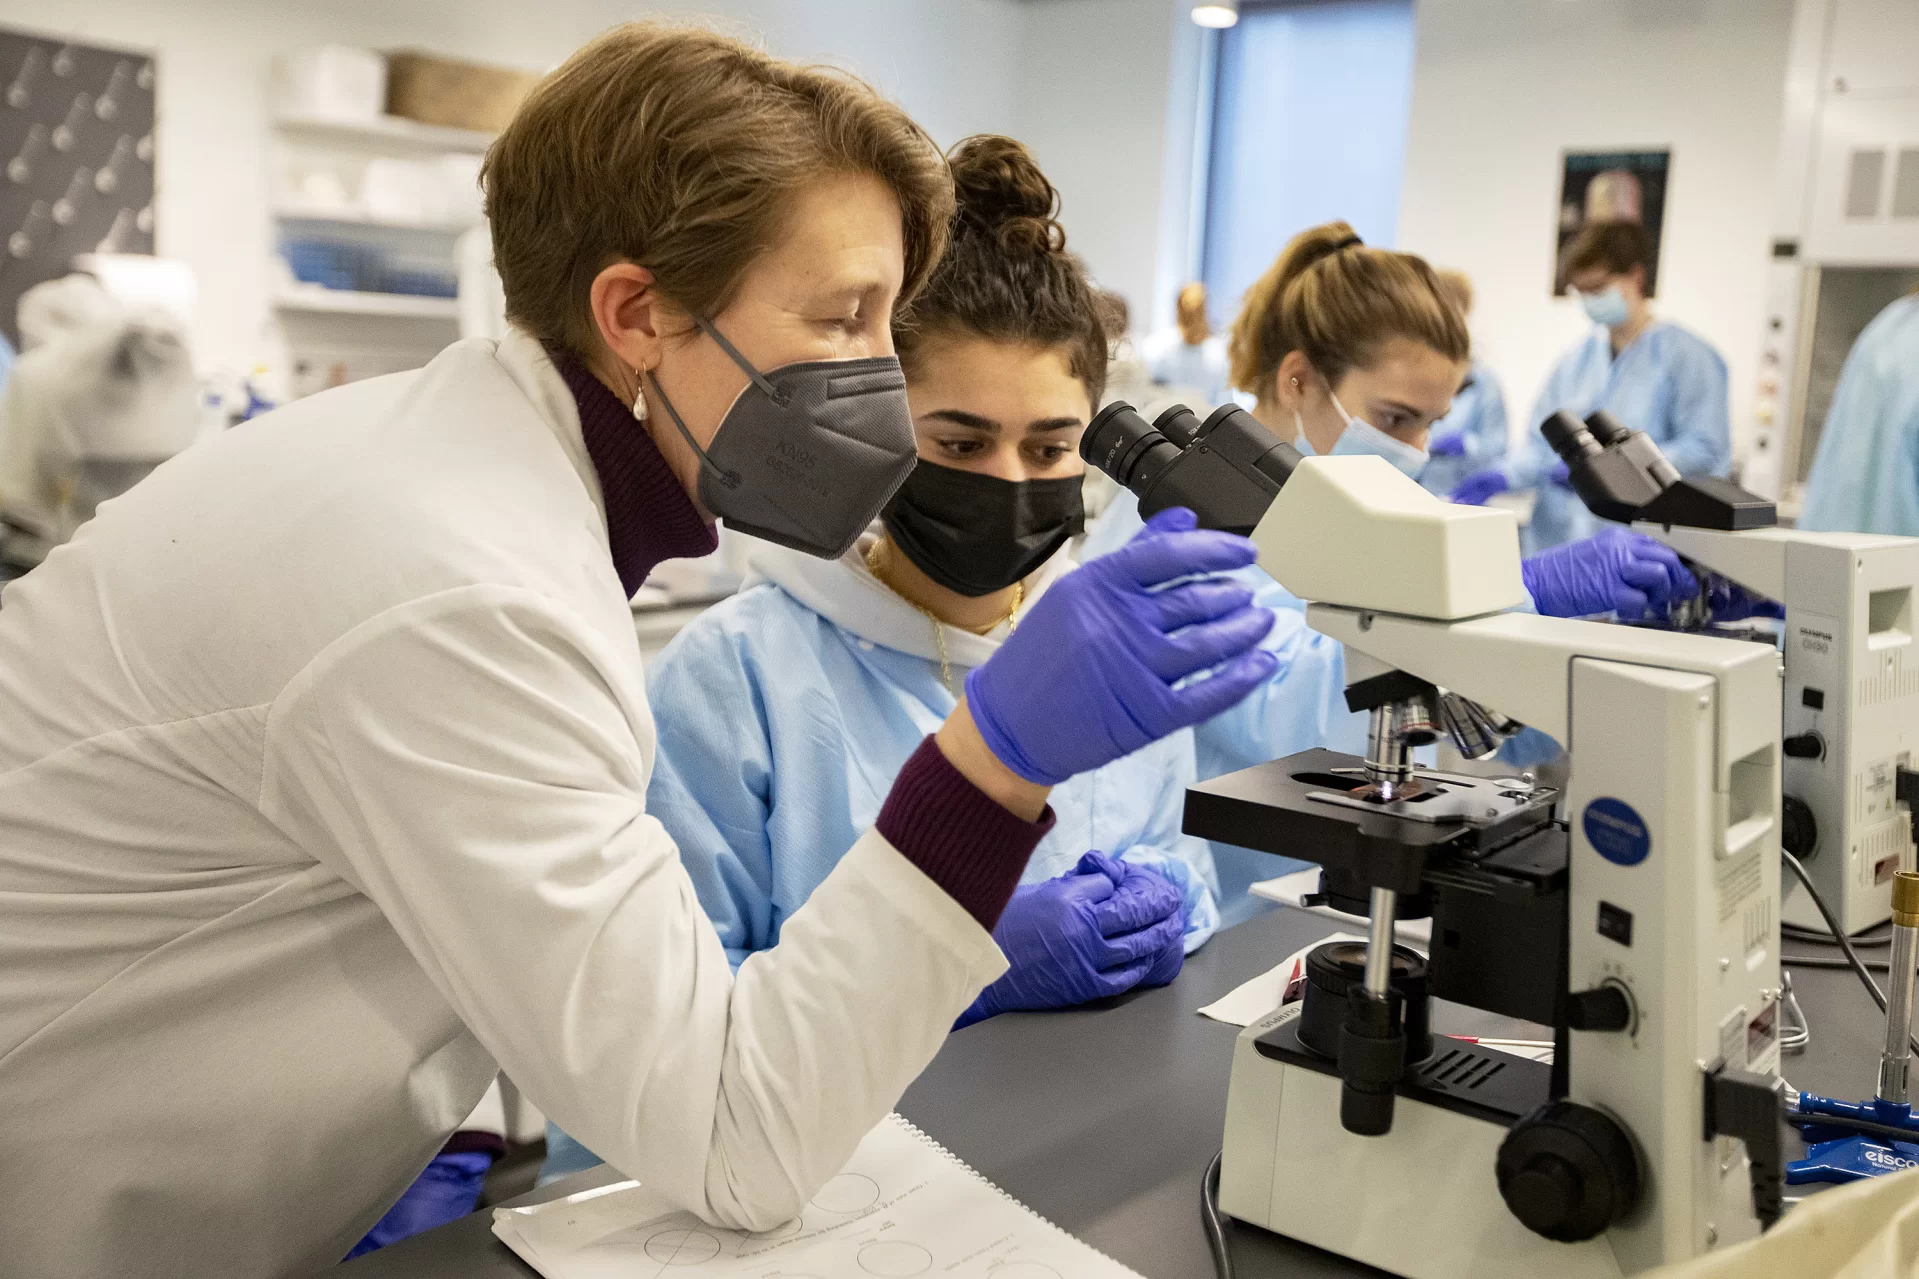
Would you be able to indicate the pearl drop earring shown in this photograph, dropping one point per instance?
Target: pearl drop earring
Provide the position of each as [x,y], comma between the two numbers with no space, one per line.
[639,397]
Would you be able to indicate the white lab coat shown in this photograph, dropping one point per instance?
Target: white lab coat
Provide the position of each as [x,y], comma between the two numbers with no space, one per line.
[323,756]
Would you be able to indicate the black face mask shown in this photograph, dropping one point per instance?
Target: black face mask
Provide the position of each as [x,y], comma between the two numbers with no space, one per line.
[977,534]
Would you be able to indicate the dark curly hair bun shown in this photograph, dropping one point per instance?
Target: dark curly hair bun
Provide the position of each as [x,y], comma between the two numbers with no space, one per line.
[1002,191]
[1006,275]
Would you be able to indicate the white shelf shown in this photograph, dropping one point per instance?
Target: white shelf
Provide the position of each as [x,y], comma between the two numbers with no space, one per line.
[291,212]
[385,133]
[344,302]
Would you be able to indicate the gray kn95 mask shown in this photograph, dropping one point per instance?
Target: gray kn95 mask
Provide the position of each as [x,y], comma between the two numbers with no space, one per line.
[809,452]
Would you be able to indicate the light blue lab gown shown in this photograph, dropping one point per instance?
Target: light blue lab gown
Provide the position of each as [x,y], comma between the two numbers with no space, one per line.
[780,734]
[1865,478]
[1668,383]
[1479,417]
[1185,370]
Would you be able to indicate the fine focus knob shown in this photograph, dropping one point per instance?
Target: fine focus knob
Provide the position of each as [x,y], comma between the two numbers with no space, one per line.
[1602,1008]
[1568,1171]
[1798,828]
[1804,746]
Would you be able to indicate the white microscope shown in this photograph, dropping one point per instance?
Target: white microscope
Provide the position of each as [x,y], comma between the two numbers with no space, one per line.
[1851,709]
[1637,913]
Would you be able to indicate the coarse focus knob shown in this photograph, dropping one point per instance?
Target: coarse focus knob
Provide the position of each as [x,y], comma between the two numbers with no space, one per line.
[1606,1007]
[1798,828]
[1804,746]
[1568,1171]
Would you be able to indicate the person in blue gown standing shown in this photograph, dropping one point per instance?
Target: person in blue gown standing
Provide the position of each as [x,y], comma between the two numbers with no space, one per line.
[1651,374]
[1865,477]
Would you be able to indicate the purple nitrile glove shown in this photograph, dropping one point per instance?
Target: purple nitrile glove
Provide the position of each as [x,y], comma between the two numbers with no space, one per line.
[1731,602]
[1451,444]
[1561,474]
[1476,488]
[447,1190]
[1616,571]
[1093,672]
[1101,929]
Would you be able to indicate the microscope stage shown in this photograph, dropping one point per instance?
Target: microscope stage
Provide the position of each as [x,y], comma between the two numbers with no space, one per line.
[1304,806]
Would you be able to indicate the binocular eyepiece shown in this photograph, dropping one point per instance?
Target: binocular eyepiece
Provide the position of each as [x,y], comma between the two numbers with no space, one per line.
[1227,469]
[1620,474]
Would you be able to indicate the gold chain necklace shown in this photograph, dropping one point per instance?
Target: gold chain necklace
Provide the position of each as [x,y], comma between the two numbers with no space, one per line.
[939,628]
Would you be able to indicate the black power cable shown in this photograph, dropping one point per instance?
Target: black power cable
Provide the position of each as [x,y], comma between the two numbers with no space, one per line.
[1819,937]
[1828,961]
[1214,1221]
[1839,935]
[1864,1127]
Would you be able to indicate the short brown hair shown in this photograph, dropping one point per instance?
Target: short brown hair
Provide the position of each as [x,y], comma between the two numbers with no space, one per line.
[680,149]
[1616,246]
[1338,301]
[1007,275]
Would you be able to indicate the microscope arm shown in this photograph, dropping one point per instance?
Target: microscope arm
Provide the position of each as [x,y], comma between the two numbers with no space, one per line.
[1521,664]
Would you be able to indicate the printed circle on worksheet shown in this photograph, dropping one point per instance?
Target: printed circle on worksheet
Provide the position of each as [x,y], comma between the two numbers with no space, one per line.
[894,1259]
[848,1193]
[682,1247]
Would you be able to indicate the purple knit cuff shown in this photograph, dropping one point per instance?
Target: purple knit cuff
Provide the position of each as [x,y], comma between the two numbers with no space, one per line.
[963,839]
[471,1139]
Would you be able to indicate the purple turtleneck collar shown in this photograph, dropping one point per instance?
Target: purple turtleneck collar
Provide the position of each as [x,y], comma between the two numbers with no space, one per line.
[649,517]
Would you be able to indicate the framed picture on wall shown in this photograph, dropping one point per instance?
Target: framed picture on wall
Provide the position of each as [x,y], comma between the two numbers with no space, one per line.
[76,146]
[1602,186]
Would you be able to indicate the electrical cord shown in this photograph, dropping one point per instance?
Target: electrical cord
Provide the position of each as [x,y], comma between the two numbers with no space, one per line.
[1214,1221]
[1795,1032]
[1818,937]
[1864,1127]
[1828,961]
[1839,936]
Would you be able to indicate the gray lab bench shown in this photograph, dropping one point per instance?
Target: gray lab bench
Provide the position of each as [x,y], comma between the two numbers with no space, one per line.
[1104,1118]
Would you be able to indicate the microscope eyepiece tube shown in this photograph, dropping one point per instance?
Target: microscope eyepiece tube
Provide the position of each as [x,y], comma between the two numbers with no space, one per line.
[1226,470]
[1120,442]
[1569,438]
[1179,425]
[1606,428]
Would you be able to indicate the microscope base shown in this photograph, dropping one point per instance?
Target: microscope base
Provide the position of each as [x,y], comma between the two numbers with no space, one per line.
[1421,1201]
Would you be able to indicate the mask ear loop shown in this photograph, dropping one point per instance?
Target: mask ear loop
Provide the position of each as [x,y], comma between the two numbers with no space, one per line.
[707,464]
[771,392]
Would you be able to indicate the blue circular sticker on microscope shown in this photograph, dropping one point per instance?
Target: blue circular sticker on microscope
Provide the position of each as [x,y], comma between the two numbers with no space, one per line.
[1616,831]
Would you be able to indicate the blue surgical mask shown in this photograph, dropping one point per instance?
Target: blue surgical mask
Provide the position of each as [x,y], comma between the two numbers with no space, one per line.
[1607,307]
[1362,439]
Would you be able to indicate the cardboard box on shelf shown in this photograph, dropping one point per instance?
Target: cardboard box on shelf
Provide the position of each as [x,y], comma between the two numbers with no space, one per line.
[459,95]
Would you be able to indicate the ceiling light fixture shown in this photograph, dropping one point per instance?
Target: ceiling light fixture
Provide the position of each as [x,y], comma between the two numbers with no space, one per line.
[1216,13]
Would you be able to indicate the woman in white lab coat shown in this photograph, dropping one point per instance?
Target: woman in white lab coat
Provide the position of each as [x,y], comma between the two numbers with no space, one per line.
[324,751]
[785,712]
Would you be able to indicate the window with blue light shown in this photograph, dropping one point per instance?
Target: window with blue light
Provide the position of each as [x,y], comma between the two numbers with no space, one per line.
[1310,108]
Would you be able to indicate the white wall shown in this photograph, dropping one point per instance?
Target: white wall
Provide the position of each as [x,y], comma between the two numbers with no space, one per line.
[949,61]
[1501,87]
[1104,97]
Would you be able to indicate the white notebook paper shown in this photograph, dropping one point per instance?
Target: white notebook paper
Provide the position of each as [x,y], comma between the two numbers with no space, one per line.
[903,1206]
